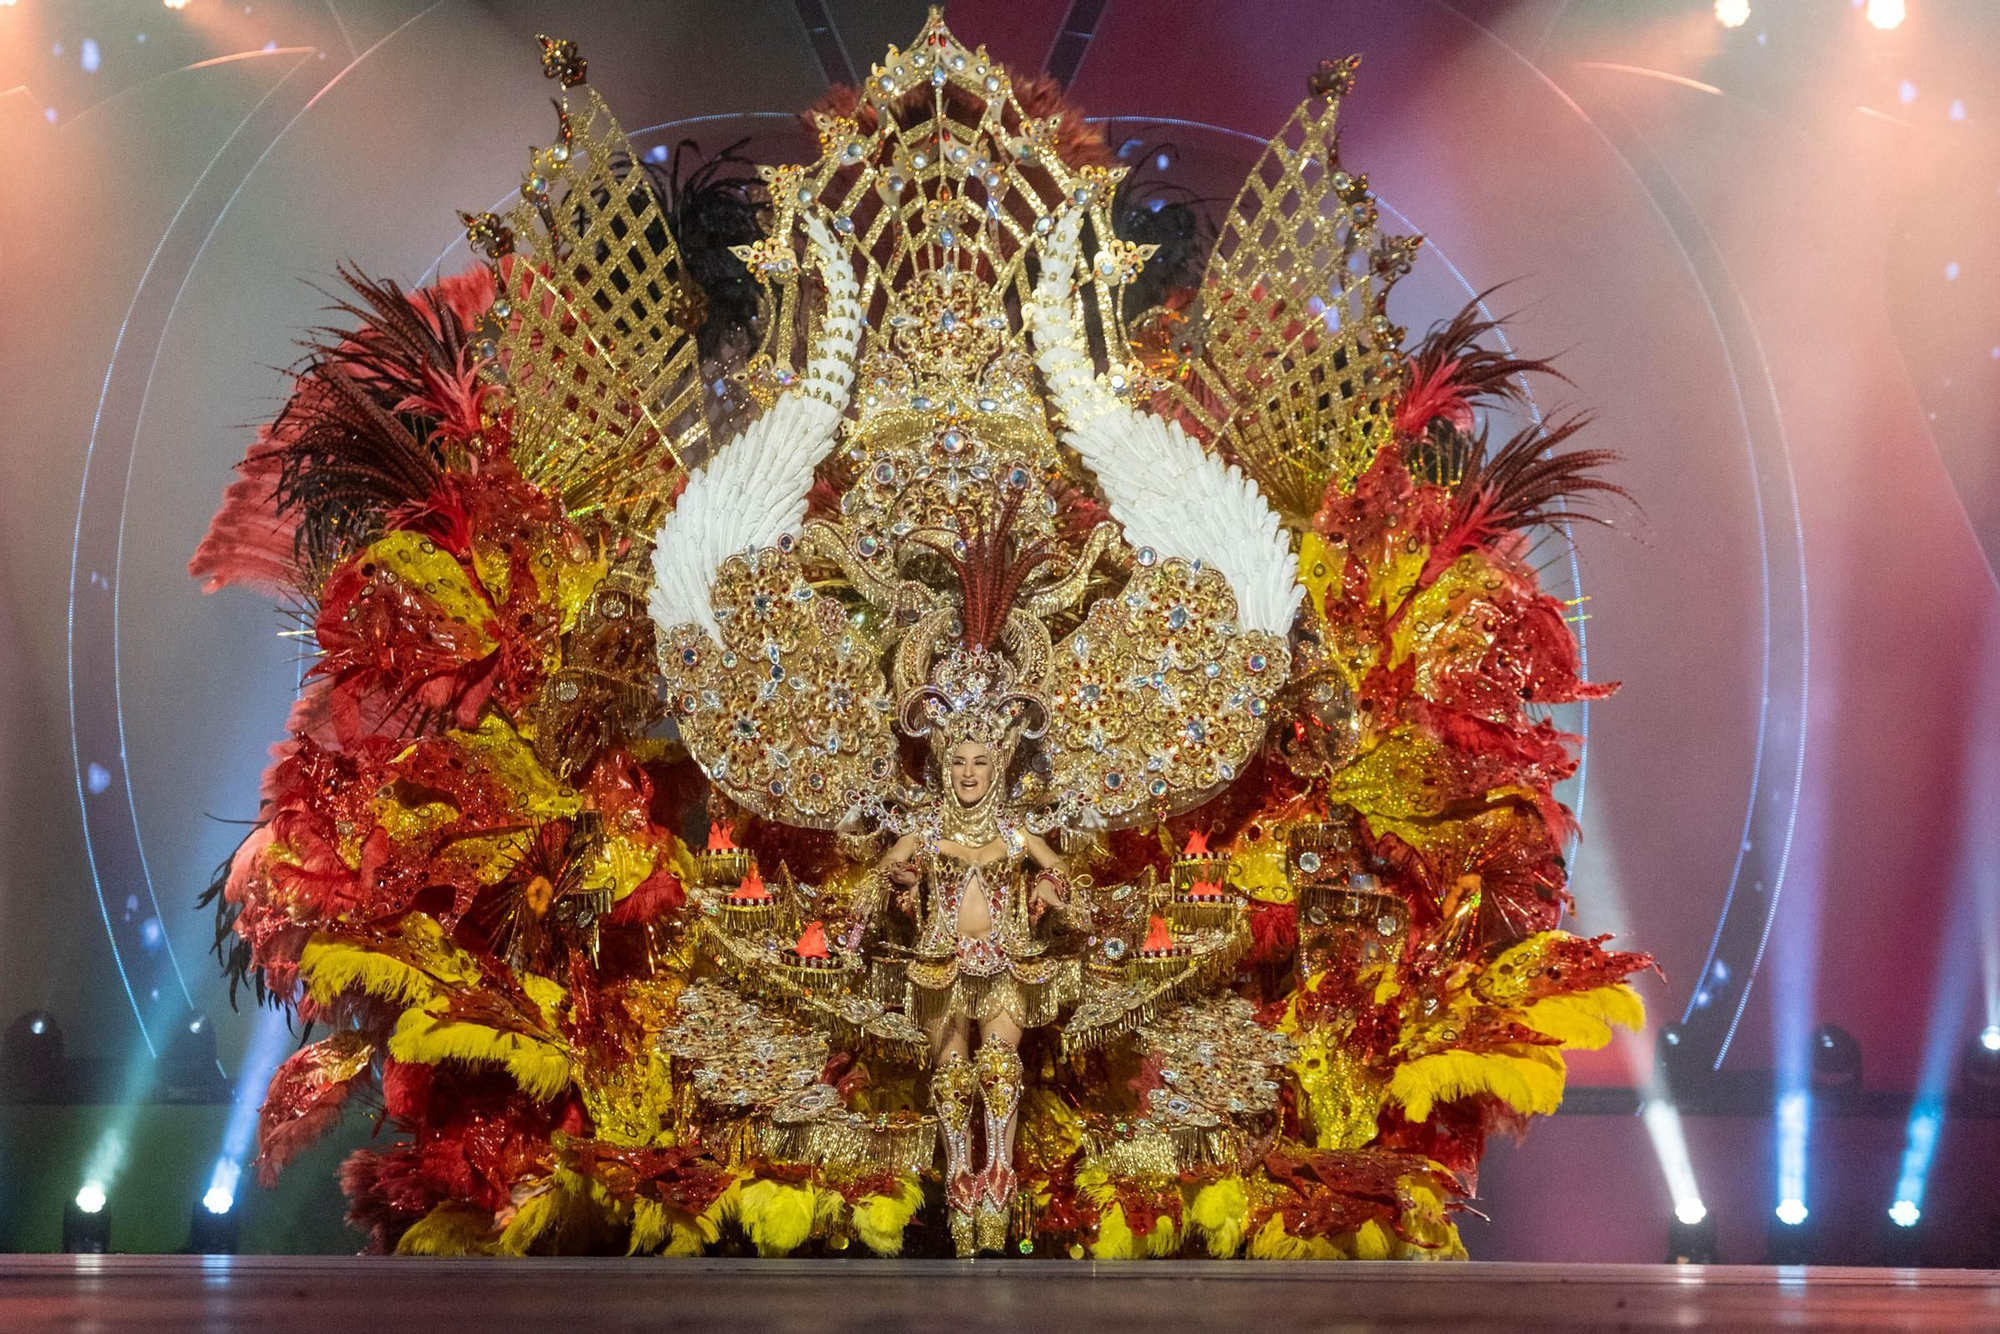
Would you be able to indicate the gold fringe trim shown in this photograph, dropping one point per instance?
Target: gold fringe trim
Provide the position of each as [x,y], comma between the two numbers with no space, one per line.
[1185,978]
[1034,1003]
[852,1141]
[1163,1152]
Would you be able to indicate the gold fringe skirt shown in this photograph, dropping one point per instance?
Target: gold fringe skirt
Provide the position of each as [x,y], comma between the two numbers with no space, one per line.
[1034,992]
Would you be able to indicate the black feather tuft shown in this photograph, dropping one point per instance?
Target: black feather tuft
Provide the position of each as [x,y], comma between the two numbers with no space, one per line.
[231,950]
[348,450]
[1149,211]
[713,204]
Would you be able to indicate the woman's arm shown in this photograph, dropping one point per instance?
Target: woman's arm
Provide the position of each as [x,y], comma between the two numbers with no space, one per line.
[893,879]
[1051,887]
[1044,856]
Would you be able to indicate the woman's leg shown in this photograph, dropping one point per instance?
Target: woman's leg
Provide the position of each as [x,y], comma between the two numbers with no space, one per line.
[951,1036]
[1000,1080]
[953,1085]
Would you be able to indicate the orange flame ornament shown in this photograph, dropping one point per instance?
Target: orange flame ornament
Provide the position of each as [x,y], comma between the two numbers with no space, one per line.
[812,942]
[1197,844]
[719,839]
[752,889]
[1159,940]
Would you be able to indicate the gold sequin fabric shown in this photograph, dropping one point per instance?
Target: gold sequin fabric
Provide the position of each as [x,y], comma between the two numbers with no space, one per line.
[1005,971]
[1159,698]
[789,714]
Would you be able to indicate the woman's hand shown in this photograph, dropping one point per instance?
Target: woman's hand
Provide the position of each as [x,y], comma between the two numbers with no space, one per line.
[906,878]
[1050,892]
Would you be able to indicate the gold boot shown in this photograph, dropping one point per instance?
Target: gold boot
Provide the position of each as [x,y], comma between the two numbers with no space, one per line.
[952,1087]
[1000,1077]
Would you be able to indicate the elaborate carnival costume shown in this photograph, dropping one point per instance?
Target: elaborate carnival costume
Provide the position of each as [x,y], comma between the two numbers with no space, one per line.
[1224,569]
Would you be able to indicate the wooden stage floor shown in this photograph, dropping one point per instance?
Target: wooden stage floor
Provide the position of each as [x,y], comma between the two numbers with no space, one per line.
[272,1295]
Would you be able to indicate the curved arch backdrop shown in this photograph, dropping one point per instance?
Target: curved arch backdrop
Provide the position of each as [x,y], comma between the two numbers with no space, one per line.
[1775,803]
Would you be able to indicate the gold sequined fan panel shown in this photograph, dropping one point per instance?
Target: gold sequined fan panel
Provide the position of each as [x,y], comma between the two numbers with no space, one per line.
[1300,357]
[1158,699]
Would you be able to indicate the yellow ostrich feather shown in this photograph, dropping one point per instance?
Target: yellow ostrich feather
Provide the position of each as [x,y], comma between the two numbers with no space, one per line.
[407,967]
[1428,1224]
[449,1229]
[1114,1239]
[1583,1019]
[541,1069]
[1272,1242]
[1528,1079]
[537,1214]
[658,1227]
[548,996]
[1220,1211]
[1372,1241]
[879,1220]
[330,967]
[652,1227]
[777,1217]
[1117,1241]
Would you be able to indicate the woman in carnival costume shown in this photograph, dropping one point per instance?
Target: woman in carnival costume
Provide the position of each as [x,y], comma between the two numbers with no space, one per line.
[977,573]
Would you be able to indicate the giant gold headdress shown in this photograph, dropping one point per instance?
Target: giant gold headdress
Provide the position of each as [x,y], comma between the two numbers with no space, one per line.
[971,283]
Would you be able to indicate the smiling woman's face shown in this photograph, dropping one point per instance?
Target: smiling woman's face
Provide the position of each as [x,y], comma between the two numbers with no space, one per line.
[969,771]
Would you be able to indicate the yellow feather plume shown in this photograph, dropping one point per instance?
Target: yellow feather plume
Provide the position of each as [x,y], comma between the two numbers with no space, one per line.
[1528,1079]
[542,1070]
[449,1229]
[1583,1020]
[1221,1212]
[777,1217]
[330,967]
[879,1220]
[1272,1242]
[537,1214]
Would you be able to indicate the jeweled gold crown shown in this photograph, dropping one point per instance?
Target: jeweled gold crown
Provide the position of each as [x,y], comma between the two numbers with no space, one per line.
[974,695]
[941,186]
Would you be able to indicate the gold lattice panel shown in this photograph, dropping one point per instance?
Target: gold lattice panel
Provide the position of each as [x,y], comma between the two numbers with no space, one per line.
[596,341]
[1300,356]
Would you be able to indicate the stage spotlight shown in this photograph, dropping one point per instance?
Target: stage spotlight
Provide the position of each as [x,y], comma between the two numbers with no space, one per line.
[1902,1243]
[1680,1066]
[188,1071]
[1979,1071]
[1663,1127]
[31,1058]
[1691,1236]
[86,1223]
[1886,14]
[1732,13]
[212,1226]
[1790,1236]
[1836,1060]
